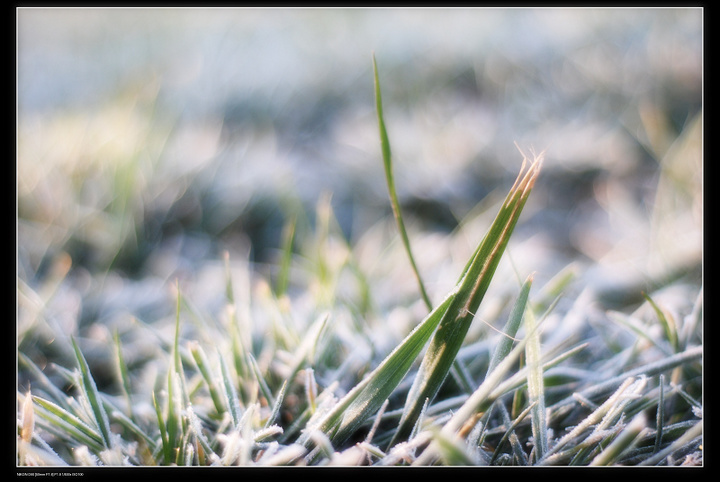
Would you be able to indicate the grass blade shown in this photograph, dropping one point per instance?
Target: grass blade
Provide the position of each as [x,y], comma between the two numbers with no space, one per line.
[660,416]
[91,392]
[667,322]
[162,425]
[123,374]
[511,327]
[233,402]
[203,365]
[536,389]
[276,406]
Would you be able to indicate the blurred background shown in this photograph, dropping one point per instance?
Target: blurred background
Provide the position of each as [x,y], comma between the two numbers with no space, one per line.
[150,141]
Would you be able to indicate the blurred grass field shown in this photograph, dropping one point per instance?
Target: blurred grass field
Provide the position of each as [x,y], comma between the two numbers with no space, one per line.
[175,148]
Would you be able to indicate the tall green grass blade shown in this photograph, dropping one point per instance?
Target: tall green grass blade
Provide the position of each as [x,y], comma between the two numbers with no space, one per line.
[456,321]
[91,392]
[387,162]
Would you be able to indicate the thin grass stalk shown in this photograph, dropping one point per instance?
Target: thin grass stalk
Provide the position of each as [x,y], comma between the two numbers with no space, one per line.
[387,163]
[660,415]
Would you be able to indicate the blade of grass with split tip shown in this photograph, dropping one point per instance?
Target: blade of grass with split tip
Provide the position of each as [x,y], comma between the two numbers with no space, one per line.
[456,321]
[512,326]
[536,387]
[387,162]
[91,392]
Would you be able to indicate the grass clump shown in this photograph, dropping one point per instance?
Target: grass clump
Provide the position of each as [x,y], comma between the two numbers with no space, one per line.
[314,377]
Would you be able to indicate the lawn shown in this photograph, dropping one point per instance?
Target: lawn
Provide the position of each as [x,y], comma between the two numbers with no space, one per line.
[359,237]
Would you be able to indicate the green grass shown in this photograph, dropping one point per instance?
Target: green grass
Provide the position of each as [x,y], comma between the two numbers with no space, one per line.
[311,372]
